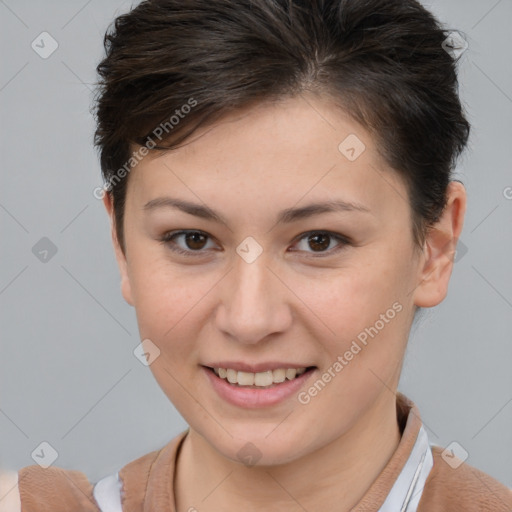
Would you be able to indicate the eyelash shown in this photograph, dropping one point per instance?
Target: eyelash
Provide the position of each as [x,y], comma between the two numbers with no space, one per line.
[167,239]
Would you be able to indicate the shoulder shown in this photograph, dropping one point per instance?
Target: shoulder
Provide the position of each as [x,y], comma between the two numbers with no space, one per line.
[462,488]
[62,490]
[59,489]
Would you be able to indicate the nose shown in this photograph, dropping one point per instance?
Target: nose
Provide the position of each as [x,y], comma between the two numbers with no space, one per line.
[253,302]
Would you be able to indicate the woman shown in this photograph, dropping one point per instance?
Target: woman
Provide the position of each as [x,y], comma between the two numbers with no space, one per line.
[278,179]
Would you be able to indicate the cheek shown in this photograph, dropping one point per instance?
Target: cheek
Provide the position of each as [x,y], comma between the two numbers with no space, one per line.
[167,310]
[164,293]
[168,306]
[343,303]
[361,314]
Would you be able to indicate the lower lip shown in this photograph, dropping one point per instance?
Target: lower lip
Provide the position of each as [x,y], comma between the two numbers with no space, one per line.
[254,398]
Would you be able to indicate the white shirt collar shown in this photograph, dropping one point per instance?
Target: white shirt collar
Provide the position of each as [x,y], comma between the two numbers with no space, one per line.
[408,487]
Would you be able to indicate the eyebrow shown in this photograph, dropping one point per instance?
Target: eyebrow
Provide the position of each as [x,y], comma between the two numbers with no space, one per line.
[285,216]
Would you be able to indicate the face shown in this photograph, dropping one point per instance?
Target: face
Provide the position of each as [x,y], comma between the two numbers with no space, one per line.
[269,283]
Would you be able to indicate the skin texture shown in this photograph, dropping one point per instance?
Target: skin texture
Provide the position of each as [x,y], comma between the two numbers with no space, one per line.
[296,302]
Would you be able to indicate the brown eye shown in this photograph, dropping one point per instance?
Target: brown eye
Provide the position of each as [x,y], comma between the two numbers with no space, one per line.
[191,243]
[319,242]
[195,240]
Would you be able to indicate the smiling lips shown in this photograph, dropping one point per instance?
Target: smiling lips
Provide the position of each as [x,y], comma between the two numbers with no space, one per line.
[257,389]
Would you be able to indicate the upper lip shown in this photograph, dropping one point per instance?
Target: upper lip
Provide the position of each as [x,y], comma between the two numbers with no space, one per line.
[255,368]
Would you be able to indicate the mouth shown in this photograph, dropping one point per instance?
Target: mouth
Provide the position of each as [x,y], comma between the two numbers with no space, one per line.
[259,380]
[257,390]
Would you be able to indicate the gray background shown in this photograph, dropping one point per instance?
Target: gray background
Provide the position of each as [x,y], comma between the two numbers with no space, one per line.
[67,372]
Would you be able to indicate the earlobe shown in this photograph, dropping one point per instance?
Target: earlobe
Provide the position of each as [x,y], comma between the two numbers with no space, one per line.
[126,290]
[439,249]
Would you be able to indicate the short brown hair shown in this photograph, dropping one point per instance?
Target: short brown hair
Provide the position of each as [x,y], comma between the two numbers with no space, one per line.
[382,61]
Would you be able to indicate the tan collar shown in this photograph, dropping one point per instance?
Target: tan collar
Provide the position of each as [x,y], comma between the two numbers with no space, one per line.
[158,493]
[410,424]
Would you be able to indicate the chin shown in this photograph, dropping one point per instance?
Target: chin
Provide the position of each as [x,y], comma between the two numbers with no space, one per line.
[259,450]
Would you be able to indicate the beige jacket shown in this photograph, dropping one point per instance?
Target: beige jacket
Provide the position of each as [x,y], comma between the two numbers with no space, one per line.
[147,482]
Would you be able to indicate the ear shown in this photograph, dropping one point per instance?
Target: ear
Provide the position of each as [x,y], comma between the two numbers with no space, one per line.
[126,289]
[439,249]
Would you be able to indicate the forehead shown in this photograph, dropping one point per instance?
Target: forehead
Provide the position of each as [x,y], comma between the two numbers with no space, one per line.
[298,149]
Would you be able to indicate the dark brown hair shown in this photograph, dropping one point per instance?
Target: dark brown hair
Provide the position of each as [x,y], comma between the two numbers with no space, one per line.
[172,65]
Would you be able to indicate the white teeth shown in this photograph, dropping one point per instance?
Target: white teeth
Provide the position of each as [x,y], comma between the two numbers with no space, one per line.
[232,376]
[261,379]
[290,373]
[279,375]
[245,378]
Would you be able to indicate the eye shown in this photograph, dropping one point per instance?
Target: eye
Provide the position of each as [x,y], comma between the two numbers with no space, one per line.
[193,240]
[321,242]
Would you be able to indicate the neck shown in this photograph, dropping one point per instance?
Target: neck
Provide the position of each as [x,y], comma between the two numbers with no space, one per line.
[343,470]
